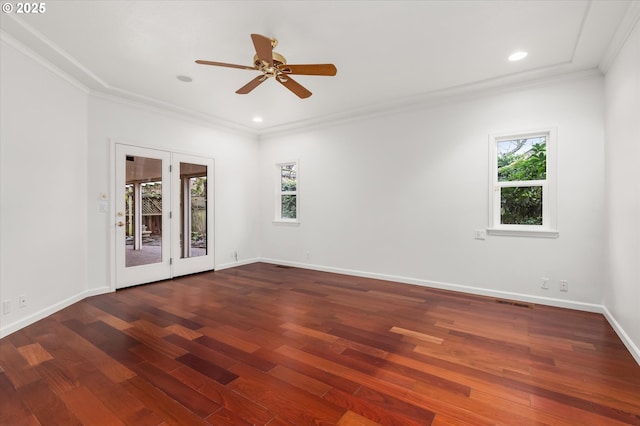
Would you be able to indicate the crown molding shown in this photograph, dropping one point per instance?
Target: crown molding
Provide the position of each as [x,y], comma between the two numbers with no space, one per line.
[628,23]
[122,96]
[20,26]
[135,100]
[487,88]
[101,89]
[10,41]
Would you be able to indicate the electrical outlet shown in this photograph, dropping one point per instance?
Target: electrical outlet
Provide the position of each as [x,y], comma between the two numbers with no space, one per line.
[545,283]
[6,306]
[564,285]
[22,300]
[307,256]
[234,255]
[480,234]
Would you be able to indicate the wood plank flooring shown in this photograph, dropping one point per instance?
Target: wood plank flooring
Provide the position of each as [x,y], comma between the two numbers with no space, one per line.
[267,345]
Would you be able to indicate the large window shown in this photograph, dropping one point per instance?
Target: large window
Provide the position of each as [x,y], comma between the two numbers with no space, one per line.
[522,197]
[287,192]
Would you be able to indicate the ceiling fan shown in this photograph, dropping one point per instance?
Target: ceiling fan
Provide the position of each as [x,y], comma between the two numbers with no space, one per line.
[272,64]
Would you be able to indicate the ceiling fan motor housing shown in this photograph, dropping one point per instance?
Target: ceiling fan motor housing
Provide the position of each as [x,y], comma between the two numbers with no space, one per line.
[266,68]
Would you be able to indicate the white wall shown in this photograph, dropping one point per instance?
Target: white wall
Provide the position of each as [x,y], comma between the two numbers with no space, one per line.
[399,196]
[236,160]
[622,280]
[43,217]
[54,153]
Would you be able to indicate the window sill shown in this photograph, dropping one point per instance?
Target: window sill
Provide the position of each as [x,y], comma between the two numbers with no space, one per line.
[286,222]
[523,233]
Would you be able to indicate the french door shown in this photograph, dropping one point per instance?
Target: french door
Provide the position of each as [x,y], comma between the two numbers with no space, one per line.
[192,219]
[163,215]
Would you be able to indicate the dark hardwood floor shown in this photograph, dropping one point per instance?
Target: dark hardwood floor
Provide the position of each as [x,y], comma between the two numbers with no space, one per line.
[267,345]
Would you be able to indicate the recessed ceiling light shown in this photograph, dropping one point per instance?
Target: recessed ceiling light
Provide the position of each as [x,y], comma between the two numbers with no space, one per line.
[257,119]
[516,56]
[184,78]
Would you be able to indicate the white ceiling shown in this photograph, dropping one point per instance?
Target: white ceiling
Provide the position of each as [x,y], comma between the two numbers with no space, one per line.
[388,53]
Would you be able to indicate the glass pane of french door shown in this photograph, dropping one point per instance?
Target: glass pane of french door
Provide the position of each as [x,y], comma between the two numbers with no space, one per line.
[143,242]
[142,223]
[192,235]
[193,217]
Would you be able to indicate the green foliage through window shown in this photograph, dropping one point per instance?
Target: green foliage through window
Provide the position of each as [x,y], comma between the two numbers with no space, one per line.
[521,205]
[198,192]
[522,159]
[288,191]
[522,162]
[289,207]
[288,177]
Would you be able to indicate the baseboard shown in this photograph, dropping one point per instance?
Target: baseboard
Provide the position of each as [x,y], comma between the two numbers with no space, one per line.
[43,313]
[633,349]
[581,306]
[237,263]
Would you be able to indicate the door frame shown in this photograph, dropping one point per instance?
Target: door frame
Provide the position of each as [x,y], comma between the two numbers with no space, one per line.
[111,214]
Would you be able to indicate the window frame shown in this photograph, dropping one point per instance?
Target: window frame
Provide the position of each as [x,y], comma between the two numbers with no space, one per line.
[548,229]
[279,193]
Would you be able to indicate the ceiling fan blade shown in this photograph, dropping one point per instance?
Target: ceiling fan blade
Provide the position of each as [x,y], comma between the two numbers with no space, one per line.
[309,69]
[251,85]
[294,86]
[264,50]
[222,64]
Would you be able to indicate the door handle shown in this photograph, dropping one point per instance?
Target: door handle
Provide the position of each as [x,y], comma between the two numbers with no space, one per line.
[120,223]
